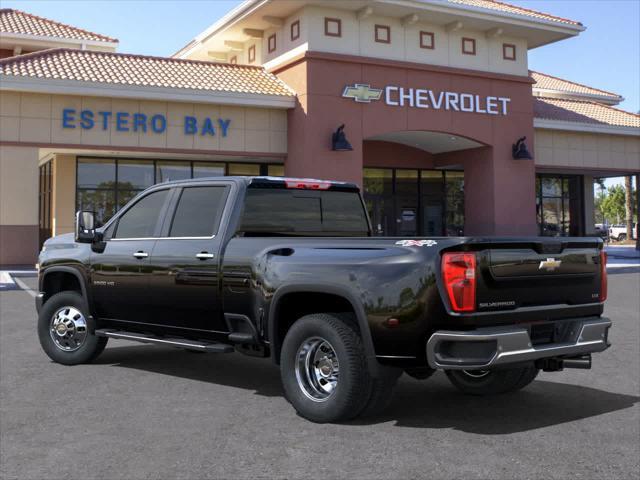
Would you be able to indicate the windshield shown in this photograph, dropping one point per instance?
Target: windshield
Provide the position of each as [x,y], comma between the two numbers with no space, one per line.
[271,211]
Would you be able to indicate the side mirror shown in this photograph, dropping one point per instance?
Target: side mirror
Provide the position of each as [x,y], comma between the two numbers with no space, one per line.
[85,227]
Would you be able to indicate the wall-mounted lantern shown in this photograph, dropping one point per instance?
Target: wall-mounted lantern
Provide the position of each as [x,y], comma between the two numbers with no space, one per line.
[519,150]
[339,142]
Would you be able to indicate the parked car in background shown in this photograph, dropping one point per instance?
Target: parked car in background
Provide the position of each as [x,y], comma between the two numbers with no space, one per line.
[601,230]
[619,232]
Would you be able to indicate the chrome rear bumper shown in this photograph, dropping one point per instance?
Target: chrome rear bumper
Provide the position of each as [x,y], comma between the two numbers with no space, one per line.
[488,347]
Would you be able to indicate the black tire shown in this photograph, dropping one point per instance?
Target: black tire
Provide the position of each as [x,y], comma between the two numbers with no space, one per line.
[381,391]
[493,382]
[90,347]
[353,386]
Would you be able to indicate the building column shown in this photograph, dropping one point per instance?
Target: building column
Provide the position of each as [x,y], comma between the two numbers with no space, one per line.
[19,229]
[63,202]
[499,192]
[589,206]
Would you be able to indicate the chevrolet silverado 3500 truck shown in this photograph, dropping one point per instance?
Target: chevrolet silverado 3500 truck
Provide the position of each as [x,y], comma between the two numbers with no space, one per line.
[289,269]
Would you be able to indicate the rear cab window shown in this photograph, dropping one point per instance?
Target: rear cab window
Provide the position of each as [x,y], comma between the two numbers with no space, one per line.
[301,212]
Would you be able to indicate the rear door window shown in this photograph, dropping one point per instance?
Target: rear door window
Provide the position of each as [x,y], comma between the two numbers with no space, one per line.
[198,211]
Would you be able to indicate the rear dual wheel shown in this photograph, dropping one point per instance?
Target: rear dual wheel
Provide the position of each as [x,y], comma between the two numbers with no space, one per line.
[325,373]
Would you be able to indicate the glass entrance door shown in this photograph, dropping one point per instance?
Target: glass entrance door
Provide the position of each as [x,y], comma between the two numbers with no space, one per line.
[407,202]
[44,202]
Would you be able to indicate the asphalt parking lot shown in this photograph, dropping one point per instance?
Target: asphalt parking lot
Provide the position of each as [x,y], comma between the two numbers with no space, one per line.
[145,411]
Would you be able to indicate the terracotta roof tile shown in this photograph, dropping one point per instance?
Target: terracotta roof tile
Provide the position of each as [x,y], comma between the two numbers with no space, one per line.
[583,112]
[548,82]
[144,71]
[515,10]
[16,21]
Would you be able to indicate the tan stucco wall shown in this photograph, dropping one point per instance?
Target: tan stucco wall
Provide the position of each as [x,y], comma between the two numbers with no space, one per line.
[555,148]
[18,185]
[18,205]
[358,38]
[37,118]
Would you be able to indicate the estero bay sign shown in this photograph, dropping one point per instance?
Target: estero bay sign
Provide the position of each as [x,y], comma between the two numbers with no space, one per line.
[140,122]
[424,98]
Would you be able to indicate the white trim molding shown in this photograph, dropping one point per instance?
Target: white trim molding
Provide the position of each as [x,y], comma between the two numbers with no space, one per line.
[38,40]
[96,89]
[585,127]
[584,97]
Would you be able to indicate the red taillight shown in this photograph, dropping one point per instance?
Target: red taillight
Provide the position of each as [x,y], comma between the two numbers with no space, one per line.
[459,275]
[603,275]
[308,184]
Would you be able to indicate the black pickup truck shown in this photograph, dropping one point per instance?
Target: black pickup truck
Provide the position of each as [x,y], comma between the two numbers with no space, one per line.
[288,269]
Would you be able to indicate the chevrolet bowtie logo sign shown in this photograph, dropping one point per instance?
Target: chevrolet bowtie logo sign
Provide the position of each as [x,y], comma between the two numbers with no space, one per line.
[550,264]
[362,93]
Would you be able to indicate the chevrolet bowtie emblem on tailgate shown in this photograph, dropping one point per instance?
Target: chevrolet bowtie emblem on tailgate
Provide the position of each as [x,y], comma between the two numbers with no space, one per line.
[362,93]
[550,264]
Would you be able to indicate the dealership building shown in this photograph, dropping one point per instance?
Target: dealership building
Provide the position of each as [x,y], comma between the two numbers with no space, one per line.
[434,96]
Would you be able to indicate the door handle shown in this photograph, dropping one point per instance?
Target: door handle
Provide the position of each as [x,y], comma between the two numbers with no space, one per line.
[141,254]
[204,255]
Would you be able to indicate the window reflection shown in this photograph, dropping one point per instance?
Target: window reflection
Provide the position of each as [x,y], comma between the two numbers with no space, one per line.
[204,169]
[558,203]
[169,171]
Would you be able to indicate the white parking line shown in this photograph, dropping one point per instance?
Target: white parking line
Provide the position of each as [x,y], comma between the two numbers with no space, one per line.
[25,287]
[5,277]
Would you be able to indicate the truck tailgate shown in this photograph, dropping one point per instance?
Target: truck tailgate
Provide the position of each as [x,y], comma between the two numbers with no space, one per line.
[512,275]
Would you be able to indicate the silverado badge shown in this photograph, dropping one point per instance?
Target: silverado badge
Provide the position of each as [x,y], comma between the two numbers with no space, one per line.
[550,264]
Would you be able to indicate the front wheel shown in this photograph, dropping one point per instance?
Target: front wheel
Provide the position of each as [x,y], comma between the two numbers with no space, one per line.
[323,368]
[66,332]
[492,382]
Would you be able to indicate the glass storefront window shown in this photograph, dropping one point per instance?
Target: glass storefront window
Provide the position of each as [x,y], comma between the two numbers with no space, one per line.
[558,205]
[378,197]
[104,185]
[454,184]
[169,171]
[135,174]
[206,169]
[102,202]
[96,173]
[275,170]
[244,169]
[410,203]
[432,193]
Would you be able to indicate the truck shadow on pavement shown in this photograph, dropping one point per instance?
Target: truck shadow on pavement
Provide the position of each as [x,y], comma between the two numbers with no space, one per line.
[432,403]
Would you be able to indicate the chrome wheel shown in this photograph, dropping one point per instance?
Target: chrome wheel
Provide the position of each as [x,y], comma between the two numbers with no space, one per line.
[476,373]
[68,329]
[317,369]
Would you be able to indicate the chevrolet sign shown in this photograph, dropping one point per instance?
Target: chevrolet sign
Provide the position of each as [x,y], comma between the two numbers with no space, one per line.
[424,98]
[362,93]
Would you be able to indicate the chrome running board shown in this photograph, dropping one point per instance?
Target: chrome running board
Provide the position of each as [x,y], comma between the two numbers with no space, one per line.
[198,345]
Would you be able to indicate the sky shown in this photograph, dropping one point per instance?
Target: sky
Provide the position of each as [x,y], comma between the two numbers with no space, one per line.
[605,56]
